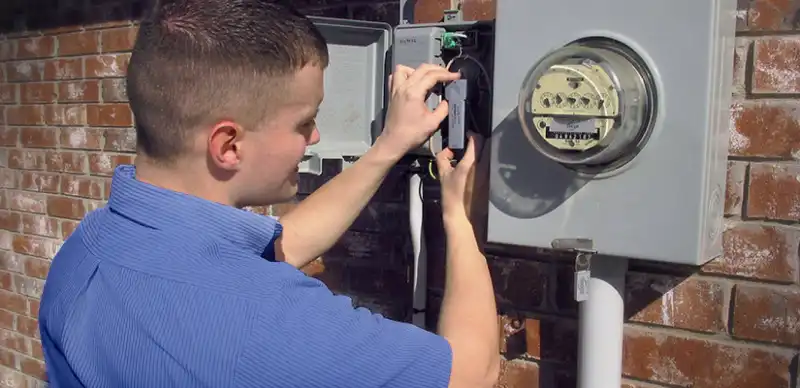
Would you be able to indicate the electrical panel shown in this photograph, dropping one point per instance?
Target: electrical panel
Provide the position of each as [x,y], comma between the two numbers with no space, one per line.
[466,47]
[610,124]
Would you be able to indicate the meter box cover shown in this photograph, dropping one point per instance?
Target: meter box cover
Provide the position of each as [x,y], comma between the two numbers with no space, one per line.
[351,115]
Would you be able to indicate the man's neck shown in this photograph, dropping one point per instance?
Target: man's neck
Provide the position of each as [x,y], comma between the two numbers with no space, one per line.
[179,178]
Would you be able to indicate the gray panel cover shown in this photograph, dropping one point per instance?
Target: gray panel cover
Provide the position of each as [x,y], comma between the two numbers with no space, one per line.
[352,113]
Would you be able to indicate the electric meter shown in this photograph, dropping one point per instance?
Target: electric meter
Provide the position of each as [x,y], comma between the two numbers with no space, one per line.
[589,105]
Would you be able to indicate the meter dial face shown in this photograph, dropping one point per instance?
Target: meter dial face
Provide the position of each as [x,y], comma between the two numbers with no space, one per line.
[574,106]
[589,105]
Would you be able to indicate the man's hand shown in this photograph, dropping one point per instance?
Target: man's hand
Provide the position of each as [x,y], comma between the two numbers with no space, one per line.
[463,186]
[409,121]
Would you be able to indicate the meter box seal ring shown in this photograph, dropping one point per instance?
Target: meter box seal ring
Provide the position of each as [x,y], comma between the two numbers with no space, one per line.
[589,105]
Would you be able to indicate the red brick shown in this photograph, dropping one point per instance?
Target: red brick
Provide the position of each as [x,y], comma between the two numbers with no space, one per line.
[766,314]
[36,350]
[9,220]
[64,161]
[79,91]
[109,115]
[8,178]
[63,207]
[33,306]
[36,47]
[38,93]
[114,90]
[27,326]
[26,159]
[8,50]
[40,181]
[26,202]
[698,362]
[8,358]
[776,67]
[38,137]
[33,368]
[79,43]
[6,279]
[7,319]
[80,186]
[104,163]
[67,227]
[518,373]
[752,250]
[110,65]
[39,225]
[81,138]
[8,136]
[478,9]
[120,140]
[774,192]
[734,192]
[37,268]
[765,129]
[551,339]
[63,69]
[35,246]
[25,115]
[430,11]
[772,15]
[10,261]
[13,341]
[8,94]
[693,303]
[118,39]
[13,302]
[65,115]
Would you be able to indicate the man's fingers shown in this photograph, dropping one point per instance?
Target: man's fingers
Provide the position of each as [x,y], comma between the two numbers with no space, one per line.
[400,76]
[433,77]
[440,112]
[420,72]
[443,159]
[469,154]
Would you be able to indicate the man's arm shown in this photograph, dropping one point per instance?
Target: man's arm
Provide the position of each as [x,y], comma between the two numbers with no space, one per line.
[311,228]
[468,317]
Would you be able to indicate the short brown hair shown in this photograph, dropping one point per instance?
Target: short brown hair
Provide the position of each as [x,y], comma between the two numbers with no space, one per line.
[197,61]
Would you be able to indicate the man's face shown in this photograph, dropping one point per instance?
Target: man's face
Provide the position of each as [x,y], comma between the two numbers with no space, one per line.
[269,173]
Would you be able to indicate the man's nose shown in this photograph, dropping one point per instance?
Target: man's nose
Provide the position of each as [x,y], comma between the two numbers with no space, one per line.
[315,137]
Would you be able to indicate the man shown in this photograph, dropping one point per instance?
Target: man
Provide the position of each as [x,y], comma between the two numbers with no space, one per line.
[173,285]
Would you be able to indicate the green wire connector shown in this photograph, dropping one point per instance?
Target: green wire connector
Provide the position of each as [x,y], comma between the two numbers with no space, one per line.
[451,40]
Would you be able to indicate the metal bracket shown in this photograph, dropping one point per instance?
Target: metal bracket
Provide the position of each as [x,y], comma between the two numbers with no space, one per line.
[453,15]
[583,249]
[311,164]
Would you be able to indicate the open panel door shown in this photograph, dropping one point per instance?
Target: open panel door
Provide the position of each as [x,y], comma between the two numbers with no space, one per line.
[351,115]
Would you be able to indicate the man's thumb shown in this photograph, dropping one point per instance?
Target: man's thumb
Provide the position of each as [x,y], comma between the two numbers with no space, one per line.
[441,111]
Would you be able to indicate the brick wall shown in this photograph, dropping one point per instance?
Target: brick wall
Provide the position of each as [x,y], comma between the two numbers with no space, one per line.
[64,125]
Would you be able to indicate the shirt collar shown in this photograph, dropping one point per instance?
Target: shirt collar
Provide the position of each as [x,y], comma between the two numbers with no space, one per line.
[164,209]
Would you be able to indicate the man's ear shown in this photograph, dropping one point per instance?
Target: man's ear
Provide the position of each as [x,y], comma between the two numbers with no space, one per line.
[224,145]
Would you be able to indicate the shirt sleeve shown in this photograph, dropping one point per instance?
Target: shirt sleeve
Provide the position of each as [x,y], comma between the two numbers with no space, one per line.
[311,338]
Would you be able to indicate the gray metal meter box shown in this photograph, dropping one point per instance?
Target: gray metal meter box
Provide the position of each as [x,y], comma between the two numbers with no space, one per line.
[610,123]
[351,115]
